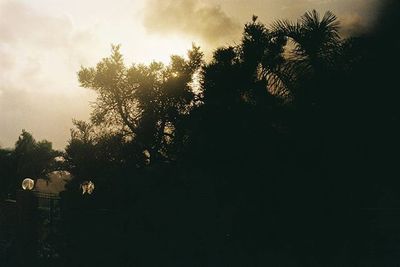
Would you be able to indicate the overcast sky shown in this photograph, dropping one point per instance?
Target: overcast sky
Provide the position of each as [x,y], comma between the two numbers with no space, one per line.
[43,43]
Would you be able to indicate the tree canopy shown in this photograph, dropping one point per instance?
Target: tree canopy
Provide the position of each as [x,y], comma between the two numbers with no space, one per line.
[262,148]
[29,159]
[146,103]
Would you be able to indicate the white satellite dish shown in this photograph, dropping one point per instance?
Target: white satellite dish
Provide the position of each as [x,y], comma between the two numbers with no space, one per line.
[28,184]
[87,187]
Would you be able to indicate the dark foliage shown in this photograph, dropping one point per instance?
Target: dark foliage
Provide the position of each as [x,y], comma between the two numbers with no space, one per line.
[280,151]
[29,159]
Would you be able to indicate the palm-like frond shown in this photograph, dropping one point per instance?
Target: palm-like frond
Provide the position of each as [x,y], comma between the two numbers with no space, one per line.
[312,36]
[287,28]
[326,29]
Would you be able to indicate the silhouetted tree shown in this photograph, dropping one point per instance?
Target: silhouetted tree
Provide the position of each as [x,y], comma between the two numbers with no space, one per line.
[7,171]
[33,158]
[265,131]
[314,48]
[29,158]
[144,103]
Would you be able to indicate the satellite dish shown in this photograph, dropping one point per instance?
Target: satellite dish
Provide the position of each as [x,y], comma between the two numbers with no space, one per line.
[28,184]
[87,187]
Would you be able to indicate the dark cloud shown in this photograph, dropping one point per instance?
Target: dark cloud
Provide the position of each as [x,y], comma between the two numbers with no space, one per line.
[353,25]
[213,22]
[190,17]
[356,16]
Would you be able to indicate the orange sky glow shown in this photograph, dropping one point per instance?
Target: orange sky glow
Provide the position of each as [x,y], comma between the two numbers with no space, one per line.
[43,43]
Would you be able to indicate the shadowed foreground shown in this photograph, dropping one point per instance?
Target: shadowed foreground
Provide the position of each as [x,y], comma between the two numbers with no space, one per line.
[278,158]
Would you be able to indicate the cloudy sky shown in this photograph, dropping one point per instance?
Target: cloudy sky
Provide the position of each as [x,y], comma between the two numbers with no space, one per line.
[43,43]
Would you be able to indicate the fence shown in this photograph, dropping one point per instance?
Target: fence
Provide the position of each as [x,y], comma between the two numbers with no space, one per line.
[48,206]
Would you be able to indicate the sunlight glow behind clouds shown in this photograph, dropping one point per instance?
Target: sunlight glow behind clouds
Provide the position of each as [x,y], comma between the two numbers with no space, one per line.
[43,43]
[42,47]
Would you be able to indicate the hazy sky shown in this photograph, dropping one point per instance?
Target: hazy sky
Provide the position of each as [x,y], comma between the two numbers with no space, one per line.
[43,43]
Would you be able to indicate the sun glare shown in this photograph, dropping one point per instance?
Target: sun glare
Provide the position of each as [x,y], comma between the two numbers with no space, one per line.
[161,49]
